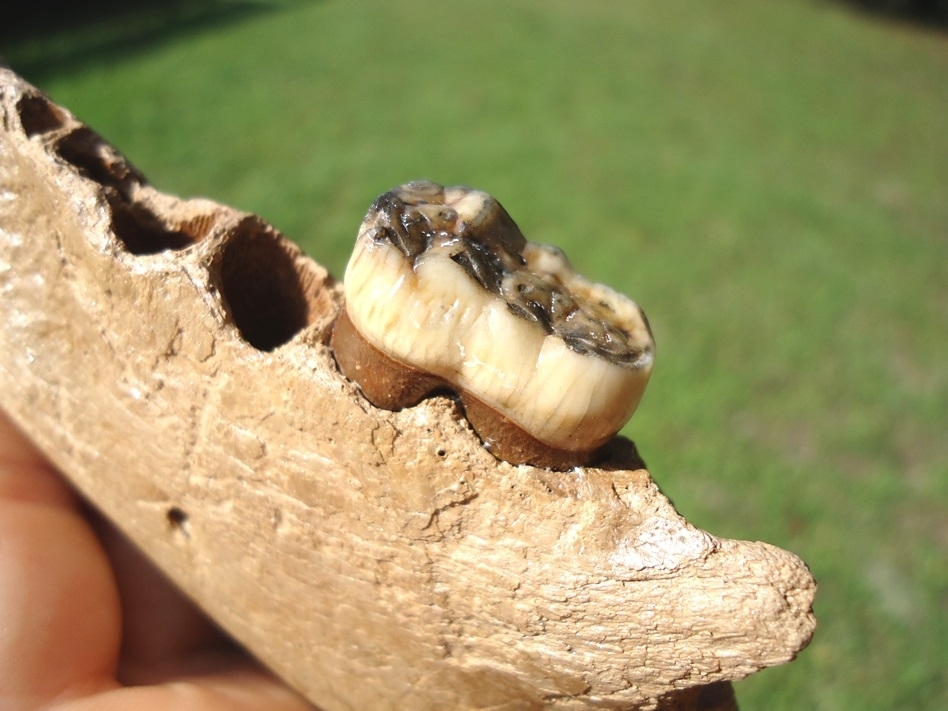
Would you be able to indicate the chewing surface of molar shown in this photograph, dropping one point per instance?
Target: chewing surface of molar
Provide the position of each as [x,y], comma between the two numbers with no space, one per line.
[442,283]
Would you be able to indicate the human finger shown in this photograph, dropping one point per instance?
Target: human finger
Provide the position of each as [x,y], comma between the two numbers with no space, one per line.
[58,601]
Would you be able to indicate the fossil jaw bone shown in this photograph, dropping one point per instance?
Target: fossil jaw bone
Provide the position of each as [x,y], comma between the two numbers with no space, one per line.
[442,290]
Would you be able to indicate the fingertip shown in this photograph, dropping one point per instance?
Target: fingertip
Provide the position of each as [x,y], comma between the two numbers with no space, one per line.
[25,475]
[58,604]
[247,688]
[14,444]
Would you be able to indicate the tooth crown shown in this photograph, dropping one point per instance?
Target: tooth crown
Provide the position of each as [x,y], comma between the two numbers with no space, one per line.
[442,280]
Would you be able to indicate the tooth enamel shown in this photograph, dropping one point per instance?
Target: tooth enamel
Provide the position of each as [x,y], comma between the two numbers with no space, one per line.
[442,281]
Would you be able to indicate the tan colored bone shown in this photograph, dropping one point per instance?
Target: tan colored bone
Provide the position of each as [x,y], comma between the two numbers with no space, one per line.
[170,357]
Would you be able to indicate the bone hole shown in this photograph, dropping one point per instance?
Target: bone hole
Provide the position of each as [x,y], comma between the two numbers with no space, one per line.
[96,159]
[143,232]
[262,286]
[37,115]
[178,521]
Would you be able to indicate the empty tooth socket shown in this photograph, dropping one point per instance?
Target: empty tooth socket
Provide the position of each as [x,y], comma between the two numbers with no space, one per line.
[265,284]
[95,158]
[142,231]
[38,115]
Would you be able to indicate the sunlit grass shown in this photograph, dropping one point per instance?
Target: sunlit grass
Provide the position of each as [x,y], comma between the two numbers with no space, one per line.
[767,179]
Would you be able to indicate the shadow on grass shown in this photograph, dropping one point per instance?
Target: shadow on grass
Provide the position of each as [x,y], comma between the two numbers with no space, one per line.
[927,13]
[42,39]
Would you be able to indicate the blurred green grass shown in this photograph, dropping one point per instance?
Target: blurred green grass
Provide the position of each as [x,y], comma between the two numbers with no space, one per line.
[768,180]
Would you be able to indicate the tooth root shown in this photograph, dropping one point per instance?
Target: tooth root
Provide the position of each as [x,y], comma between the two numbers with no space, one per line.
[549,387]
[385,382]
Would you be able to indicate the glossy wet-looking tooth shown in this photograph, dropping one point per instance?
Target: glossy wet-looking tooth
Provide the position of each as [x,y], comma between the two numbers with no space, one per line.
[443,283]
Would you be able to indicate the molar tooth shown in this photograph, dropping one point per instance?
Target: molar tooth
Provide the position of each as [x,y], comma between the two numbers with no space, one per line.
[443,290]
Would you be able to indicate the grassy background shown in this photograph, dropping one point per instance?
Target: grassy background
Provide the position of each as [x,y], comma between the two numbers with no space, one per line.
[768,180]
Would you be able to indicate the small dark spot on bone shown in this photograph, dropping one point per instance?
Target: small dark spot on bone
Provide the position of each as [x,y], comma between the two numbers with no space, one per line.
[178,521]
